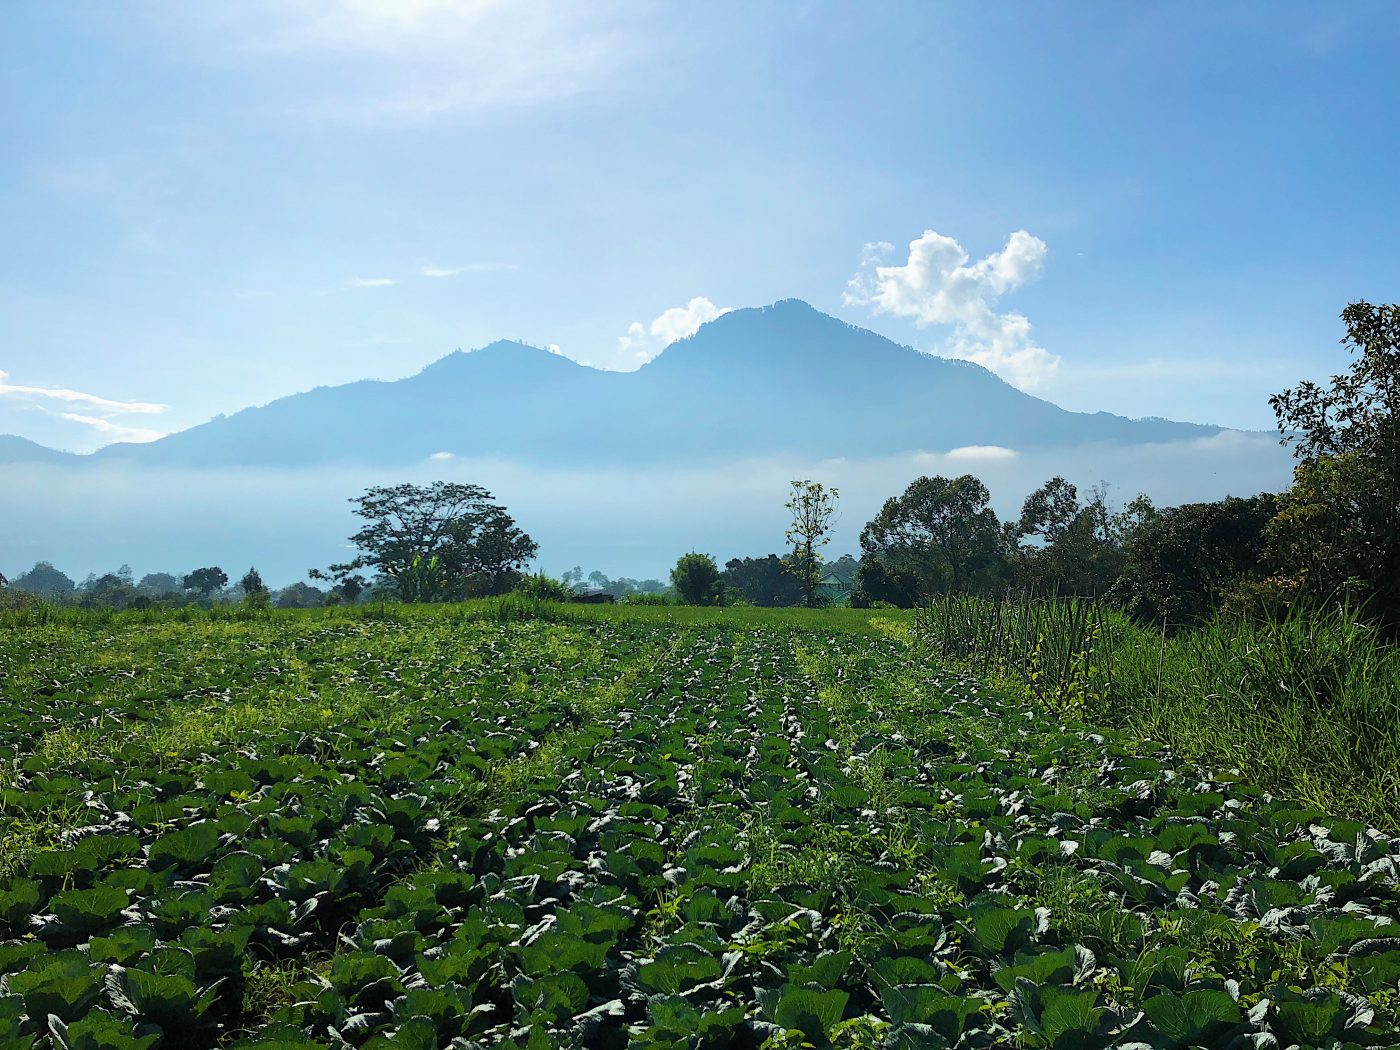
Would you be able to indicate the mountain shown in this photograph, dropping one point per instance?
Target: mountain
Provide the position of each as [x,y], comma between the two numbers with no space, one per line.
[780,379]
[15,449]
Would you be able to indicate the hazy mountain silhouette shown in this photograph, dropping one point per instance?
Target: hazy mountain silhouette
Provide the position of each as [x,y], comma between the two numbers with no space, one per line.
[15,449]
[778,379]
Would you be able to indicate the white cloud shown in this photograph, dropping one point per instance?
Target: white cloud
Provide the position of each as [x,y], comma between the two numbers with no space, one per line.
[555,349]
[938,285]
[980,453]
[443,456]
[77,396]
[371,282]
[113,430]
[396,60]
[453,271]
[643,342]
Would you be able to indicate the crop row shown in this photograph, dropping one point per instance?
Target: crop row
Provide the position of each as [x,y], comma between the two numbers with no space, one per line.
[612,834]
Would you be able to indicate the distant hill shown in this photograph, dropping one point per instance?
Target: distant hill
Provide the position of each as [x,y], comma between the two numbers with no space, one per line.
[781,379]
[15,449]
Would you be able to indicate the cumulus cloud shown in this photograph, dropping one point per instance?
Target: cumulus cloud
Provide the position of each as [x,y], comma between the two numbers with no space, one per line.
[643,342]
[939,285]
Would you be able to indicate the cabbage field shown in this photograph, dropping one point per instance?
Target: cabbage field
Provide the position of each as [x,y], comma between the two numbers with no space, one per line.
[447,827]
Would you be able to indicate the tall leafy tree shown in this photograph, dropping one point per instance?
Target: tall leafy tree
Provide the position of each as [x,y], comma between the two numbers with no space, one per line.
[252,582]
[940,535]
[1182,562]
[813,509]
[1338,528]
[159,584]
[438,542]
[300,596]
[696,579]
[762,581]
[206,581]
[45,581]
[1078,547]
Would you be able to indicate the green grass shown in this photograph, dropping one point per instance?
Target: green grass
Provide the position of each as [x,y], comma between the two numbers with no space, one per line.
[1307,706]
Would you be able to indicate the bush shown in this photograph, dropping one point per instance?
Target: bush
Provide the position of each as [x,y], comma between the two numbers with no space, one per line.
[543,588]
[696,579]
[12,600]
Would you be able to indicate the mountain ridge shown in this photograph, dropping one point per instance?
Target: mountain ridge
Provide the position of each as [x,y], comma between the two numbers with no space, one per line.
[778,379]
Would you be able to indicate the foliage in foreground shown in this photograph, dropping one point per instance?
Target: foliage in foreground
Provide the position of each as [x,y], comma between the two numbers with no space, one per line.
[1307,704]
[536,826]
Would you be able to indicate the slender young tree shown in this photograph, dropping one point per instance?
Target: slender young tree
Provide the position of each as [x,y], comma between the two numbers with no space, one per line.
[813,509]
[252,582]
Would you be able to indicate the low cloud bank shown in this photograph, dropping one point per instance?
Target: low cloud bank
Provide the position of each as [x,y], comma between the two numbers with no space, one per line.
[95,517]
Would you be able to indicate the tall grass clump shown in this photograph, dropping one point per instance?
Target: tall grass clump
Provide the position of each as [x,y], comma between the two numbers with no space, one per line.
[1306,705]
[1058,649]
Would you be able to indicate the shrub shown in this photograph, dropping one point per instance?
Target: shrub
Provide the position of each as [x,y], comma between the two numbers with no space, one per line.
[13,600]
[543,588]
[696,579]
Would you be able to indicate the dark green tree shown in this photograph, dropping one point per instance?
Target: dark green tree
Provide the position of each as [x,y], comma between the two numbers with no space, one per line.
[762,581]
[940,536]
[252,582]
[696,579]
[1078,548]
[112,590]
[206,581]
[440,542]
[159,584]
[300,596]
[1338,529]
[45,581]
[1183,562]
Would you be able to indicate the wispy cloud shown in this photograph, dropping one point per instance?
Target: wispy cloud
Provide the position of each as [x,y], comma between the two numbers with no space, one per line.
[453,271]
[54,393]
[397,60]
[938,285]
[115,431]
[97,412]
[371,282]
[642,342]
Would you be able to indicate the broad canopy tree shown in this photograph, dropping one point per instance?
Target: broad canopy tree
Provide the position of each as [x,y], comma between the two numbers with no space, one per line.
[45,581]
[440,542]
[206,581]
[762,581]
[940,536]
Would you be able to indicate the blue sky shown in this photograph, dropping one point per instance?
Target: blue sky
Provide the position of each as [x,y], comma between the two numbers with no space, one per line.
[1151,209]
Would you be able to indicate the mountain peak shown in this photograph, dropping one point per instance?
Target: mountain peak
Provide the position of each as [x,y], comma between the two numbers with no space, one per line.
[781,379]
[501,354]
